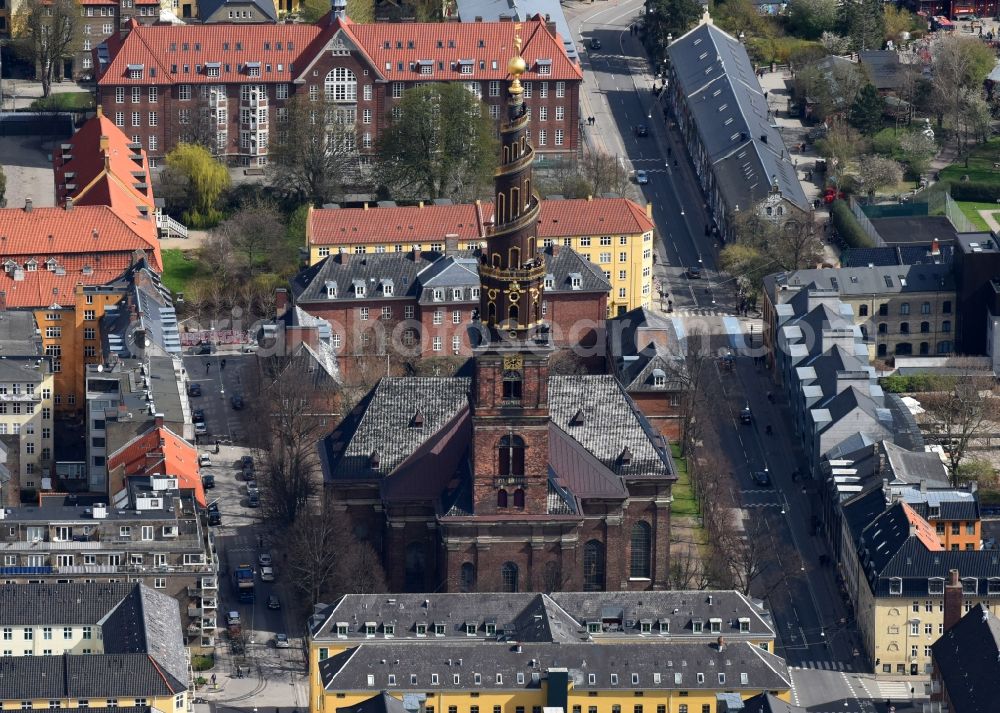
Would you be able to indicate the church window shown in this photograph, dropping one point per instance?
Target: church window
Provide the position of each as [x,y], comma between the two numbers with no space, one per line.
[341,85]
[511,451]
[512,381]
[640,555]
[501,498]
[512,314]
[508,577]
[519,498]
[467,577]
[593,566]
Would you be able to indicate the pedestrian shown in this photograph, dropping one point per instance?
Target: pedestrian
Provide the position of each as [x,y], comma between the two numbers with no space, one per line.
[208,365]
[213,679]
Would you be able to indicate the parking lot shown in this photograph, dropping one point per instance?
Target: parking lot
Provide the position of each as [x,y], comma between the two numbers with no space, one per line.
[220,377]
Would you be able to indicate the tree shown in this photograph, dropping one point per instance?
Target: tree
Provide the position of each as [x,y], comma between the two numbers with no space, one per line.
[960,65]
[899,20]
[605,173]
[747,553]
[691,371]
[255,231]
[441,145]
[313,150]
[973,120]
[864,21]
[834,43]
[668,18]
[199,126]
[796,245]
[832,89]
[866,111]
[810,19]
[204,178]
[50,28]
[3,188]
[839,147]
[735,16]
[875,172]
[959,414]
[917,151]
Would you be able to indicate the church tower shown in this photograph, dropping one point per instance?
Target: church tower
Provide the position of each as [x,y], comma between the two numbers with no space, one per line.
[510,401]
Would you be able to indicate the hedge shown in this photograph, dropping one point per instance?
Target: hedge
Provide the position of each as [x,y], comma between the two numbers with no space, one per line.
[975,191]
[915,383]
[848,227]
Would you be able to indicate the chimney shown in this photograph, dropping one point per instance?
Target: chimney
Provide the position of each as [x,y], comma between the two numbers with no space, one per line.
[104,143]
[339,10]
[158,420]
[935,247]
[450,243]
[343,257]
[952,600]
[923,485]
[280,301]
[554,249]
[27,205]
[550,26]
[721,642]
[416,253]
[649,211]
[69,204]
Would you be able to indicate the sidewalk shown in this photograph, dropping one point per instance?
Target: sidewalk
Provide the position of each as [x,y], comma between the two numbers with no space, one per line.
[19,93]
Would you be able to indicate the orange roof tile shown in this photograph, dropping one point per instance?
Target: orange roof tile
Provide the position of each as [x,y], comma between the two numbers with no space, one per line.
[489,45]
[90,230]
[179,459]
[43,288]
[558,218]
[925,531]
[97,153]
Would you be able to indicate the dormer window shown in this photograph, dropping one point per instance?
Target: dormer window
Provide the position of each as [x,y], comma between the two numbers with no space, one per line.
[715,625]
[697,626]
[135,71]
[359,289]
[635,679]
[470,628]
[491,628]
[421,629]
[389,630]
[614,679]
[664,626]
[31,266]
[370,627]
[212,70]
[592,679]
[576,280]
[659,378]
[341,628]
[935,585]
[593,627]
[438,294]
[970,585]
[331,290]
[895,585]
[544,67]
[439,630]
[645,626]
[456,293]
[550,282]
[387,289]
[434,679]
[744,625]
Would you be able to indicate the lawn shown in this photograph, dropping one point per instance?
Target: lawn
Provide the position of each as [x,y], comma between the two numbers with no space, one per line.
[684,500]
[980,168]
[65,101]
[179,268]
[970,210]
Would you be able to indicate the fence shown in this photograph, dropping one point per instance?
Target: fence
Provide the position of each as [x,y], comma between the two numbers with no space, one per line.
[59,124]
[866,224]
[941,203]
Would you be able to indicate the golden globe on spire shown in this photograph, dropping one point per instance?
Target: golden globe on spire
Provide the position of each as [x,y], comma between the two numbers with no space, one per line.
[516,66]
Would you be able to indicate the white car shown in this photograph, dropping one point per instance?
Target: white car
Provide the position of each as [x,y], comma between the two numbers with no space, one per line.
[641,177]
[281,641]
[264,559]
[267,574]
[204,460]
[200,429]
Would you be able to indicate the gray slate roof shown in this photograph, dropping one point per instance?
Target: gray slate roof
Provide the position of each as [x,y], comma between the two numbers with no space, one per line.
[564,615]
[207,8]
[878,280]
[520,11]
[77,676]
[883,68]
[18,334]
[380,703]
[766,703]
[894,255]
[22,369]
[967,659]
[717,79]
[676,665]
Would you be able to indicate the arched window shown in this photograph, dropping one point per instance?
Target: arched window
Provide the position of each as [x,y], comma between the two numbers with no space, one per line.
[416,565]
[925,327]
[641,541]
[863,311]
[593,566]
[501,208]
[491,313]
[512,383]
[904,327]
[512,315]
[881,350]
[519,498]
[904,349]
[341,85]
[883,328]
[508,577]
[511,450]
[515,253]
[925,348]
[467,577]
[501,498]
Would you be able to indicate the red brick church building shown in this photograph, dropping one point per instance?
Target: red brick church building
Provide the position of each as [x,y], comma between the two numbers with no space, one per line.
[162,83]
[513,479]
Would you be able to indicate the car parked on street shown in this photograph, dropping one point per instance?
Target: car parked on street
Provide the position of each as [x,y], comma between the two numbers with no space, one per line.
[200,428]
[762,478]
[273,602]
[267,574]
[237,402]
[205,460]
[595,44]
[641,178]
[641,131]
[281,641]
[694,273]
[746,415]
[264,559]
[208,481]
[253,501]
[194,389]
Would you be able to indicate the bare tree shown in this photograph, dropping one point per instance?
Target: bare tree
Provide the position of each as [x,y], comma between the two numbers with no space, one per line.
[313,544]
[691,371]
[876,172]
[959,415]
[797,245]
[359,570]
[313,150]
[746,553]
[255,231]
[687,571]
[605,173]
[50,28]
[198,125]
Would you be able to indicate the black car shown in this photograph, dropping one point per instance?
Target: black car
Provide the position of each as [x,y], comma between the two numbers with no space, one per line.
[746,415]
[253,500]
[237,402]
[641,130]
[595,44]
[214,517]
[208,481]
[194,389]
[198,415]
[694,273]
[762,478]
[273,602]
[204,348]
[246,462]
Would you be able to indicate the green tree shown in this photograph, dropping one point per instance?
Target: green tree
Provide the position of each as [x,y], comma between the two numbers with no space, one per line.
[811,18]
[864,22]
[50,28]
[736,16]
[205,181]
[917,151]
[866,111]
[839,147]
[898,21]
[960,66]
[313,150]
[876,172]
[442,145]
[669,17]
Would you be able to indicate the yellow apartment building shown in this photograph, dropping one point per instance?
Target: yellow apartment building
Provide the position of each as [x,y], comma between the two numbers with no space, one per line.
[616,234]
[517,652]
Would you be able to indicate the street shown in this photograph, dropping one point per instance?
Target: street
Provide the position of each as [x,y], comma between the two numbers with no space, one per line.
[266,675]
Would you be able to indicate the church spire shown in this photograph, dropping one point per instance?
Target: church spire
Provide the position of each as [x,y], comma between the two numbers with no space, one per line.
[512,271]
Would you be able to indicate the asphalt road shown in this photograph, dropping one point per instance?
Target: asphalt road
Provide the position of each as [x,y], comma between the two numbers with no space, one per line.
[218,385]
[618,94]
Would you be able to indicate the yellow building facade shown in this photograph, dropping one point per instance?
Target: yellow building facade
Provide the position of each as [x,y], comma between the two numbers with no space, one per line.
[616,234]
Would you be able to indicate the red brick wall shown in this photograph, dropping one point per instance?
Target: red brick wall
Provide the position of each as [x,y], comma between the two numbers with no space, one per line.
[656,407]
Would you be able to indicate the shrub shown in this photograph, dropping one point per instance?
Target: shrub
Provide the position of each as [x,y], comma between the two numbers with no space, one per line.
[915,383]
[202,662]
[764,50]
[848,226]
[886,143]
[975,191]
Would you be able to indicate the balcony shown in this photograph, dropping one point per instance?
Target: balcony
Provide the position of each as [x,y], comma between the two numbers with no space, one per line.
[508,481]
[254,101]
[209,603]
[218,101]
[194,611]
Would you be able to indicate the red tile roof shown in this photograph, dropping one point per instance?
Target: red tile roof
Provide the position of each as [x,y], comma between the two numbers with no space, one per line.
[559,218]
[924,530]
[97,153]
[90,230]
[43,288]
[171,455]
[161,46]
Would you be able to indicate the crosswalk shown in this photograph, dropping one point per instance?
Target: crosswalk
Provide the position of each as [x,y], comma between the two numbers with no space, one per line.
[823,666]
[893,689]
[699,312]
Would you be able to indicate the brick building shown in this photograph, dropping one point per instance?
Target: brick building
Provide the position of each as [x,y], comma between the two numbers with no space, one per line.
[513,480]
[427,303]
[154,81]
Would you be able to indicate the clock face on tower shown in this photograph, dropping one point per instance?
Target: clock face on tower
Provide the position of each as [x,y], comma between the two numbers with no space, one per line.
[513,362]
